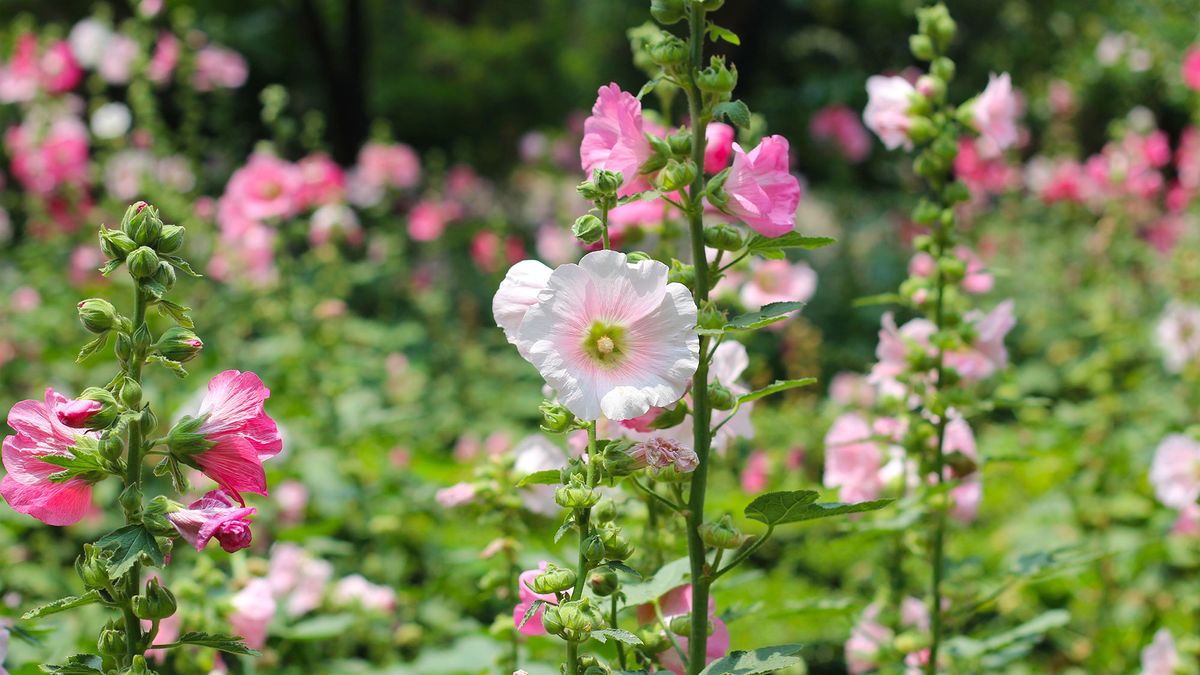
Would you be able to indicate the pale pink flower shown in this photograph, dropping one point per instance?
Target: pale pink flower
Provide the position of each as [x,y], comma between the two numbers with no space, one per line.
[851,390]
[867,638]
[389,164]
[116,61]
[214,515]
[612,337]
[729,362]
[1190,68]
[218,67]
[526,597]
[754,476]
[292,498]
[88,40]
[1160,657]
[357,590]
[19,78]
[242,435]
[27,486]
[778,281]
[886,114]
[25,299]
[1177,335]
[718,146]
[85,260]
[165,58]
[761,192]
[60,71]
[46,158]
[253,611]
[853,459]
[614,138]
[555,245]
[894,347]
[332,220]
[125,171]
[996,111]
[678,602]
[1175,471]
[532,454]
[841,126]
[1188,523]
[456,495]
[428,219]
[660,452]
[987,354]
[967,495]
[266,187]
[517,293]
[322,181]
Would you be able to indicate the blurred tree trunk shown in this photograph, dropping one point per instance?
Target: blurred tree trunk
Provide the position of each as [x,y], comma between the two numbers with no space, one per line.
[343,69]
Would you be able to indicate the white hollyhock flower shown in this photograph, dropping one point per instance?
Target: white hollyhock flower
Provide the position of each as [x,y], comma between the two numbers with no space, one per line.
[612,337]
[518,292]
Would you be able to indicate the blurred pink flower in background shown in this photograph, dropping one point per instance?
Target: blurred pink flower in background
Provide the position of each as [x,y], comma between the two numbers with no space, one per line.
[389,165]
[218,67]
[59,70]
[778,281]
[19,77]
[456,495]
[886,114]
[1160,657]
[1190,68]
[853,459]
[678,602]
[428,219]
[357,590]
[1175,471]
[754,477]
[292,498]
[117,59]
[47,157]
[165,58]
[253,611]
[996,110]
[839,125]
[1177,335]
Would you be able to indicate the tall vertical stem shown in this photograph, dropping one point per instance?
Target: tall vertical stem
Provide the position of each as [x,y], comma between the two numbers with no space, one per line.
[701,412]
[583,522]
[938,546]
[133,477]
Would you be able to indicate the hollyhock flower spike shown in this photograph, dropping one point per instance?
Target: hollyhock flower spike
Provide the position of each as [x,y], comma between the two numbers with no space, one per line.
[614,138]
[232,434]
[27,486]
[612,337]
[759,190]
[214,515]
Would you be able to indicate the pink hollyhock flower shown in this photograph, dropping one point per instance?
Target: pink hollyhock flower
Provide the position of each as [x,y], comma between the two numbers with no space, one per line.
[517,293]
[1175,471]
[266,187]
[60,71]
[1160,656]
[678,602]
[895,344]
[357,590]
[555,245]
[851,390]
[427,220]
[253,610]
[322,181]
[19,77]
[334,219]
[977,279]
[886,114]
[1188,523]
[526,597]
[778,281]
[729,361]
[27,486]
[116,61]
[967,495]
[867,638]
[164,59]
[219,67]
[761,192]
[1177,335]
[996,111]
[988,353]
[718,146]
[43,159]
[85,260]
[77,412]
[853,459]
[237,431]
[292,498]
[614,138]
[394,165]
[841,126]
[485,246]
[661,452]
[168,631]
[532,454]
[612,337]
[1191,68]
[754,475]
[983,168]
[456,495]
[214,515]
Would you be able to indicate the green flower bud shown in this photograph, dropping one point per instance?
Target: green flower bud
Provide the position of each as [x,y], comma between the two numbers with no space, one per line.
[148,421]
[638,256]
[131,502]
[588,190]
[111,642]
[670,417]
[143,263]
[680,624]
[669,51]
[616,547]
[139,667]
[953,269]
[579,618]
[720,397]
[179,344]
[97,316]
[576,495]
[715,189]
[171,239]
[910,642]
[676,175]
[144,226]
[667,12]
[921,47]
[593,550]
[588,228]
[942,68]
[112,447]
[124,348]
[156,603]
[184,438]
[132,214]
[556,419]
[603,582]
[551,620]
[723,237]
[165,275]
[721,534]
[607,182]
[710,318]
[956,192]
[92,567]
[921,130]
[554,579]
[717,78]
[682,273]
[653,641]
[605,511]
[116,244]
[680,142]
[615,461]
[131,393]
[925,213]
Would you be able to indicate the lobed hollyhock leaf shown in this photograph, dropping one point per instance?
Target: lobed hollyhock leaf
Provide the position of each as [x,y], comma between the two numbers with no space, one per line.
[80,664]
[776,387]
[128,545]
[778,508]
[761,660]
[178,313]
[547,477]
[62,605]
[672,575]
[230,644]
[772,247]
[617,634]
[737,112]
[618,566]
[765,316]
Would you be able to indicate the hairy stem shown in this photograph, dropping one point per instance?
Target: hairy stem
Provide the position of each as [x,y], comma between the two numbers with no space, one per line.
[133,477]
[939,461]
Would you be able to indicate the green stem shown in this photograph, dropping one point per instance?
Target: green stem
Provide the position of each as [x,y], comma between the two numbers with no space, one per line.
[604,225]
[939,525]
[133,477]
[582,521]
[745,553]
[701,411]
[613,624]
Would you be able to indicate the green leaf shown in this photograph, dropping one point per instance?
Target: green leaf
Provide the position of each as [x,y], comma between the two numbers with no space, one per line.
[62,605]
[110,267]
[530,612]
[129,544]
[1023,636]
[181,264]
[778,508]
[618,566]
[646,89]
[881,299]
[617,634]
[776,387]
[320,627]
[154,288]
[80,664]
[92,347]
[737,112]
[566,527]
[173,366]
[548,477]
[716,32]
[768,314]
[230,644]
[177,312]
[672,575]
[761,660]
[772,247]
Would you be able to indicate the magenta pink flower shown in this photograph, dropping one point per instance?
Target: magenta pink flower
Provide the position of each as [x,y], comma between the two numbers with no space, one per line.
[77,412]
[761,192]
[678,602]
[754,477]
[996,111]
[527,596]
[718,146]
[165,58]
[778,281]
[853,459]
[393,165]
[266,187]
[322,181]
[867,638]
[841,126]
[27,486]
[428,219]
[253,611]
[46,158]
[614,138]
[612,337]
[238,432]
[19,77]
[886,114]
[456,495]
[1190,68]
[219,67]
[60,71]
[1175,471]
[214,515]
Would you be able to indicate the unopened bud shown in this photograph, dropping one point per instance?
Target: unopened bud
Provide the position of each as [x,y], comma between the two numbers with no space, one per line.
[921,47]
[676,175]
[667,12]
[721,534]
[97,316]
[92,567]
[720,397]
[717,78]
[554,579]
[171,239]
[131,393]
[605,511]
[607,182]
[156,603]
[723,237]
[111,642]
[603,581]
[616,547]
[95,408]
[593,550]
[588,228]
[165,275]
[179,344]
[143,263]
[682,273]
[115,244]
[556,419]
[576,495]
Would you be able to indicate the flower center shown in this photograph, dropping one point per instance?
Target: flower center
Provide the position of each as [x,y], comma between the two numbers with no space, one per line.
[605,344]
